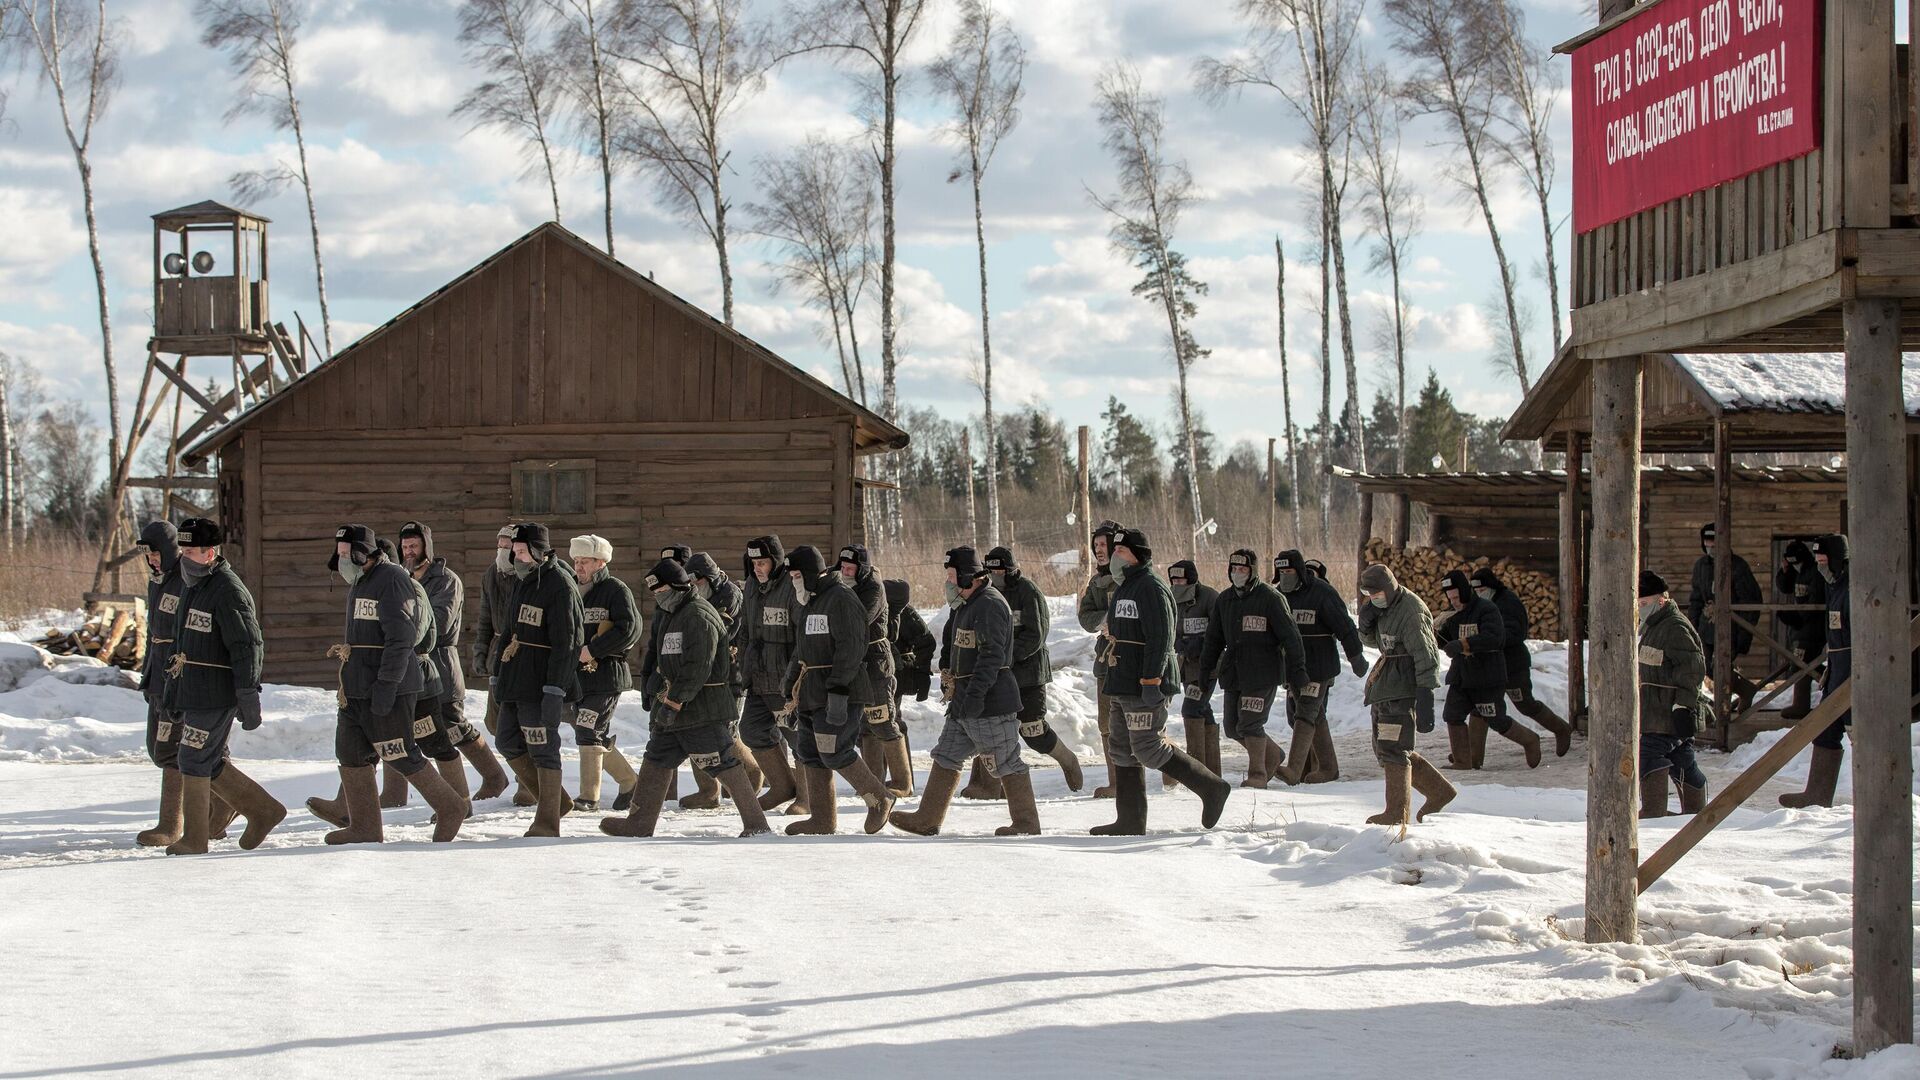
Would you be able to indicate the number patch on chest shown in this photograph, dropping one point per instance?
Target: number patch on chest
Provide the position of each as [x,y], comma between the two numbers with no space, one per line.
[1019,618]
[966,639]
[775,616]
[532,615]
[1468,629]
[670,643]
[1651,656]
[816,624]
[366,607]
[170,603]
[595,615]
[1801,590]
[1253,624]
[1835,621]
[1389,642]
[1126,609]
[1193,626]
[201,621]
[1305,618]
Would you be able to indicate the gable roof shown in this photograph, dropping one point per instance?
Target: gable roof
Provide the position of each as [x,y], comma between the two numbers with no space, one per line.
[204,209]
[871,431]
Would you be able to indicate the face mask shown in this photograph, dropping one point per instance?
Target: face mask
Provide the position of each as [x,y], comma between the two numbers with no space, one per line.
[800,591]
[1184,593]
[1826,571]
[1380,601]
[1240,578]
[1289,580]
[522,569]
[1484,594]
[954,599]
[193,570]
[350,572]
[999,580]
[1647,610]
[669,599]
[503,560]
[704,588]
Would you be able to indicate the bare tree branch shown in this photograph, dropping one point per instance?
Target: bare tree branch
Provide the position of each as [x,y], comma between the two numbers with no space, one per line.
[1392,211]
[520,90]
[590,78]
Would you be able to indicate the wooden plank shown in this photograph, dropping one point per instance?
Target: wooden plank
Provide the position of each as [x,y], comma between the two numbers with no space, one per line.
[1860,65]
[1810,260]
[1613,730]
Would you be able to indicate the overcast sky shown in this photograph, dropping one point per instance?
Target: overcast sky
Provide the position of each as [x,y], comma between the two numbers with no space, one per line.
[409,197]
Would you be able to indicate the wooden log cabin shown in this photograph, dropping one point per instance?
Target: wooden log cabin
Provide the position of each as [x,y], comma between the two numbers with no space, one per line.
[548,383]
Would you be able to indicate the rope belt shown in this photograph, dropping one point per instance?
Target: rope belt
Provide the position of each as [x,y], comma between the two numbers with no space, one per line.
[593,663]
[177,665]
[160,641]
[341,653]
[793,702]
[513,648]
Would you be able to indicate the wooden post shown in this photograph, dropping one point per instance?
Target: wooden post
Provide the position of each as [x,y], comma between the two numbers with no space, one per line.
[1882,753]
[1463,451]
[1366,530]
[1571,567]
[1086,500]
[1722,613]
[1613,781]
[1273,502]
[1402,521]
[966,451]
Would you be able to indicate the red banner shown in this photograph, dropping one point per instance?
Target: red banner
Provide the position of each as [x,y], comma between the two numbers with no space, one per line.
[1689,94]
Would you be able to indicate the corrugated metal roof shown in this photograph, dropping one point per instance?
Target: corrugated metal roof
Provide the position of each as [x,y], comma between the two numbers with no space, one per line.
[1810,383]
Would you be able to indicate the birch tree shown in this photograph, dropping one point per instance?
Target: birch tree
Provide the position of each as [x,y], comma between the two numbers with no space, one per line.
[980,76]
[591,83]
[74,48]
[1286,383]
[502,38]
[1304,50]
[692,63]
[1452,77]
[1154,190]
[1527,83]
[1391,208]
[260,38]
[818,214]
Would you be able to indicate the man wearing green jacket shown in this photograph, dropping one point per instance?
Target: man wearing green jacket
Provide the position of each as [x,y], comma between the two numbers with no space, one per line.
[1673,665]
[1400,692]
[1094,601]
[693,711]
[1140,674]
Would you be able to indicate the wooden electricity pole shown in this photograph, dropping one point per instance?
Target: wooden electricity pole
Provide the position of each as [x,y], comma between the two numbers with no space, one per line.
[966,451]
[1273,503]
[1086,499]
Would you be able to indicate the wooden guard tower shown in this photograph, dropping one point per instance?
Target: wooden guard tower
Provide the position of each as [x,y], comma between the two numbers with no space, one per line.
[1811,243]
[210,300]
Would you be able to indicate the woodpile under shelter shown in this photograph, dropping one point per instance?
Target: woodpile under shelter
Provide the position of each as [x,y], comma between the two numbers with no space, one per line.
[1720,405]
[548,383]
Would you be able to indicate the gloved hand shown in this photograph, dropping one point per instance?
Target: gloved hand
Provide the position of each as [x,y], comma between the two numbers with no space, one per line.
[1359,665]
[1685,721]
[1151,695]
[648,701]
[384,691]
[553,707]
[839,708]
[247,703]
[1368,615]
[479,656]
[493,684]
[1452,648]
[921,694]
[1423,710]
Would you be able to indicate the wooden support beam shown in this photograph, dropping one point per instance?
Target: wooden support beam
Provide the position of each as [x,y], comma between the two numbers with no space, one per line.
[1613,738]
[1877,509]
[203,483]
[1402,521]
[1572,566]
[1722,613]
[1366,533]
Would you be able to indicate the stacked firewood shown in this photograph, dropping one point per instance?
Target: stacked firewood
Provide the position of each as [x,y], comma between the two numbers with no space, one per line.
[1421,569]
[115,635]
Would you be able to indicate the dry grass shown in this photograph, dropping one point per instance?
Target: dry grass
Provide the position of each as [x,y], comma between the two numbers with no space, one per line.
[45,574]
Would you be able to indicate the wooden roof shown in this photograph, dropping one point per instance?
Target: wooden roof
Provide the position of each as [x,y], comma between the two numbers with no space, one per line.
[204,212]
[1528,487]
[1683,397]
[577,258]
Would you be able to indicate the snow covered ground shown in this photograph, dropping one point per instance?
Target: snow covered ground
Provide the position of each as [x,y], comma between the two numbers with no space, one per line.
[1292,940]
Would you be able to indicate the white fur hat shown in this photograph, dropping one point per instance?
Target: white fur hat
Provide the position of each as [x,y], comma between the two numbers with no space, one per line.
[591,547]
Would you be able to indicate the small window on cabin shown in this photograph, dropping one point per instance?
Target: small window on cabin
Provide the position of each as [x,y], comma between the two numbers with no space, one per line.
[546,489]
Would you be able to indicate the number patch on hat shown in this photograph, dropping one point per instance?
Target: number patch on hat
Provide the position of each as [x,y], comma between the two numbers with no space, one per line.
[671,642]
[533,615]
[594,614]
[1253,624]
[965,639]
[1126,609]
[199,620]
[1651,656]
[366,607]
[1193,626]
[170,603]
[775,616]
[816,624]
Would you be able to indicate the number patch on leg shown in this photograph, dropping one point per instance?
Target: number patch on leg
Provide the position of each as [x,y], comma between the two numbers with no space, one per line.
[826,743]
[1311,690]
[462,733]
[1033,730]
[422,726]
[1389,733]
[391,749]
[194,738]
[1140,721]
[1253,704]
[163,731]
[709,762]
[1490,709]
[536,736]
[586,718]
